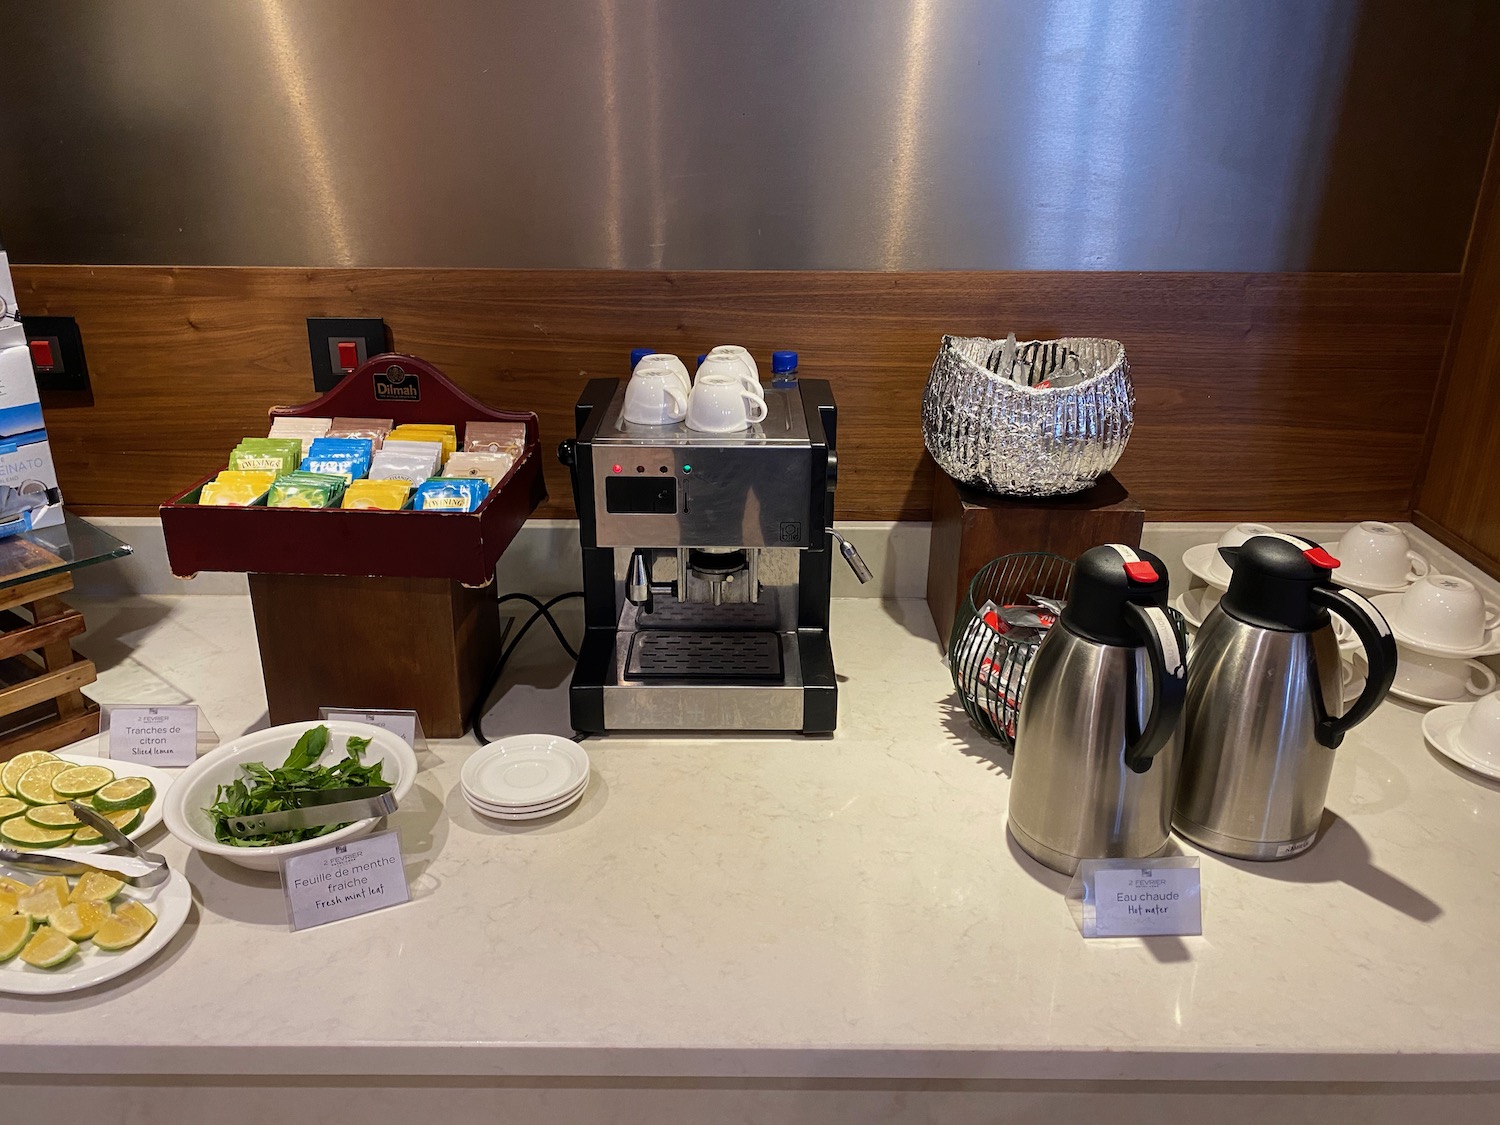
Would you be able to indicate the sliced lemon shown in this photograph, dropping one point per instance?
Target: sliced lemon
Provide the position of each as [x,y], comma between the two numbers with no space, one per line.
[15,886]
[80,781]
[52,816]
[118,933]
[48,948]
[136,912]
[8,901]
[19,830]
[35,786]
[58,883]
[12,806]
[126,793]
[16,768]
[39,904]
[79,920]
[96,886]
[15,931]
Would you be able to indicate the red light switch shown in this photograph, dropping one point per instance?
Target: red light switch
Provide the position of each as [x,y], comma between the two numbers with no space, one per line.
[41,354]
[348,355]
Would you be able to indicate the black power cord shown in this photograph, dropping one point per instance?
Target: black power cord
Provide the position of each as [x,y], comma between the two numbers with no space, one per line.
[543,611]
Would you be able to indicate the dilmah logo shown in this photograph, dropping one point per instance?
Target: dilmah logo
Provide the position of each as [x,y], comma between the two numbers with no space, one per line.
[396,384]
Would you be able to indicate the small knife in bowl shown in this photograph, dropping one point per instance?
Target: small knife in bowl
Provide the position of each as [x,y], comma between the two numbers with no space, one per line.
[315,809]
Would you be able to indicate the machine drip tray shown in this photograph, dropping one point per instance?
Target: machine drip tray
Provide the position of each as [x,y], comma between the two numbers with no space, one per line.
[685,655]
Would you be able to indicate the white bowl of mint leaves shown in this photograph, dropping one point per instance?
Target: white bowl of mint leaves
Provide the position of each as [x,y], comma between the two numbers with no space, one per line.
[244,777]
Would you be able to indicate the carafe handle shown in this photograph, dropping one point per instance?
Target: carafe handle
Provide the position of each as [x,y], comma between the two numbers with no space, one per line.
[1380,652]
[1168,682]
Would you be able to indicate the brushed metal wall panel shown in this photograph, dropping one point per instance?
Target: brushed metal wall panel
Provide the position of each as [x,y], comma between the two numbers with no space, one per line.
[681,134]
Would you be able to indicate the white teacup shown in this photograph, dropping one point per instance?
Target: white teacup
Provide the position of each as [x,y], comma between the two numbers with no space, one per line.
[1446,611]
[1377,556]
[1448,678]
[657,361]
[1236,536]
[742,355]
[731,367]
[653,397]
[721,404]
[1479,737]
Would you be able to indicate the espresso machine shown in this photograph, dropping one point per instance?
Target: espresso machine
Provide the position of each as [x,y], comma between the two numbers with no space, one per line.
[707,564]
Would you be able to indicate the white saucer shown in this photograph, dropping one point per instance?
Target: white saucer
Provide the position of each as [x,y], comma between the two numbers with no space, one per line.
[1387,605]
[1441,728]
[524,770]
[1205,562]
[1190,605]
[1423,701]
[535,814]
[490,806]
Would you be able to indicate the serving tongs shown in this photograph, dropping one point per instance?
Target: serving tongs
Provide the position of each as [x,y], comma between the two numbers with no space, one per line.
[46,864]
[316,808]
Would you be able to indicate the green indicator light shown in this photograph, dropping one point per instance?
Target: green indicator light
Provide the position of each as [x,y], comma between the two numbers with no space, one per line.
[687,468]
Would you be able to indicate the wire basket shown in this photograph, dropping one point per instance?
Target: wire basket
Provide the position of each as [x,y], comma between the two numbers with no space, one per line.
[989,668]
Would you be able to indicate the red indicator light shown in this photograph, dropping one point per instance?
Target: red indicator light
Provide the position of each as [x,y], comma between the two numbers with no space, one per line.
[619,469]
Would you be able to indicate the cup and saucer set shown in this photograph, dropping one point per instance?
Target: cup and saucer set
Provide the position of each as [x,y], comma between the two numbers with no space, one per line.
[725,397]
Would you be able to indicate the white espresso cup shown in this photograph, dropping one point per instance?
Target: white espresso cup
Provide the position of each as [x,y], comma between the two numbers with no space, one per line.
[742,355]
[1449,678]
[1446,611]
[1236,536]
[1377,554]
[657,361]
[721,404]
[1479,737]
[733,368]
[653,397]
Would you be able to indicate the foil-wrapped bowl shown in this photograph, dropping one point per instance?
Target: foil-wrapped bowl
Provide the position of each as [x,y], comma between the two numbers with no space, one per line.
[1038,418]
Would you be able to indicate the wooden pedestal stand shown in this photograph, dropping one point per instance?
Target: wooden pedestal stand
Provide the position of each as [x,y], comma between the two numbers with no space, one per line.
[419,644]
[969,528]
[41,706]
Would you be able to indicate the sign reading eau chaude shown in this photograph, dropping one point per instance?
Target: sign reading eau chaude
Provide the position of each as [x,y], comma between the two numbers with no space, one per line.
[344,880]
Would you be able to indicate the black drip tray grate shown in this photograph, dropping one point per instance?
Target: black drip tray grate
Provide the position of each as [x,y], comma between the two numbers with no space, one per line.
[662,655]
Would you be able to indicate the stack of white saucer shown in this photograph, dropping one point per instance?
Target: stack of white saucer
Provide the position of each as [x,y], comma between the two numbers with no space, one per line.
[525,777]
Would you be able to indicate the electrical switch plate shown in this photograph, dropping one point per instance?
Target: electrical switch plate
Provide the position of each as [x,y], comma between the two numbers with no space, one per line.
[326,333]
[65,381]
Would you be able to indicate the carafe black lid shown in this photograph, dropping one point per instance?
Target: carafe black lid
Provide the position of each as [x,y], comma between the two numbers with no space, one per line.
[1105,580]
[1272,582]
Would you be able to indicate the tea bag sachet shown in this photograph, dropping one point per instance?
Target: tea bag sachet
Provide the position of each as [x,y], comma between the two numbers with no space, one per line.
[495,437]
[450,494]
[387,495]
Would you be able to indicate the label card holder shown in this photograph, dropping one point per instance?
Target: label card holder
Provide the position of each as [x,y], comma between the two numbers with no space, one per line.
[1137,897]
[155,736]
[405,725]
[344,880]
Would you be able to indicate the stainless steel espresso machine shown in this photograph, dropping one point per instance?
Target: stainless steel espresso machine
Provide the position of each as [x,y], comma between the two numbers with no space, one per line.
[707,562]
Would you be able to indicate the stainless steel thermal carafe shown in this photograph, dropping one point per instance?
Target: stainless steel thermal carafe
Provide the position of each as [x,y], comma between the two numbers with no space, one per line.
[1097,741]
[1259,734]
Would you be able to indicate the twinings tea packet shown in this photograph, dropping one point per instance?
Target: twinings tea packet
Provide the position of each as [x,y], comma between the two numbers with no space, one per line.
[387,495]
[450,494]
[495,437]
[344,457]
[306,490]
[371,429]
[444,435]
[269,455]
[262,481]
[490,467]
[232,493]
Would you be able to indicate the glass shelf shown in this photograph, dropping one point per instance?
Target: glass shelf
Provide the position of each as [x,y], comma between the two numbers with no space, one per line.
[62,549]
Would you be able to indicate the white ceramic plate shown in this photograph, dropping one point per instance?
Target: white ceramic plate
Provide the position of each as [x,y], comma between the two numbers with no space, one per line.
[487,805]
[161,779]
[537,814]
[1344,577]
[1387,604]
[89,966]
[185,810]
[1205,562]
[524,769]
[1441,728]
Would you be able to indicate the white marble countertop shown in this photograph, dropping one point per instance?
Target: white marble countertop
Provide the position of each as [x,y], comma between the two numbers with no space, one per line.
[778,907]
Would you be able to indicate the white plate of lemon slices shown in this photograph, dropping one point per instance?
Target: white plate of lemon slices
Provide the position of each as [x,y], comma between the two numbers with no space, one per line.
[36,786]
[62,933]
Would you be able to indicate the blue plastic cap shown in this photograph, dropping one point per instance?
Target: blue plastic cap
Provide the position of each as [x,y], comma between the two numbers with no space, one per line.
[638,354]
[701,358]
[783,361]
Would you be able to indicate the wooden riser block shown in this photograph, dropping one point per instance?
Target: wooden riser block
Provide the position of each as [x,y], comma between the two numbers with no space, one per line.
[971,528]
[48,732]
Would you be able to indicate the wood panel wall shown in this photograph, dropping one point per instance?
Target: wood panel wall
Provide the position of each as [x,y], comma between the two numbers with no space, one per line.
[1282,396]
[1458,499]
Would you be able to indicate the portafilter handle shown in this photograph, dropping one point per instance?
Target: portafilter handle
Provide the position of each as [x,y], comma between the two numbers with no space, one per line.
[851,556]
